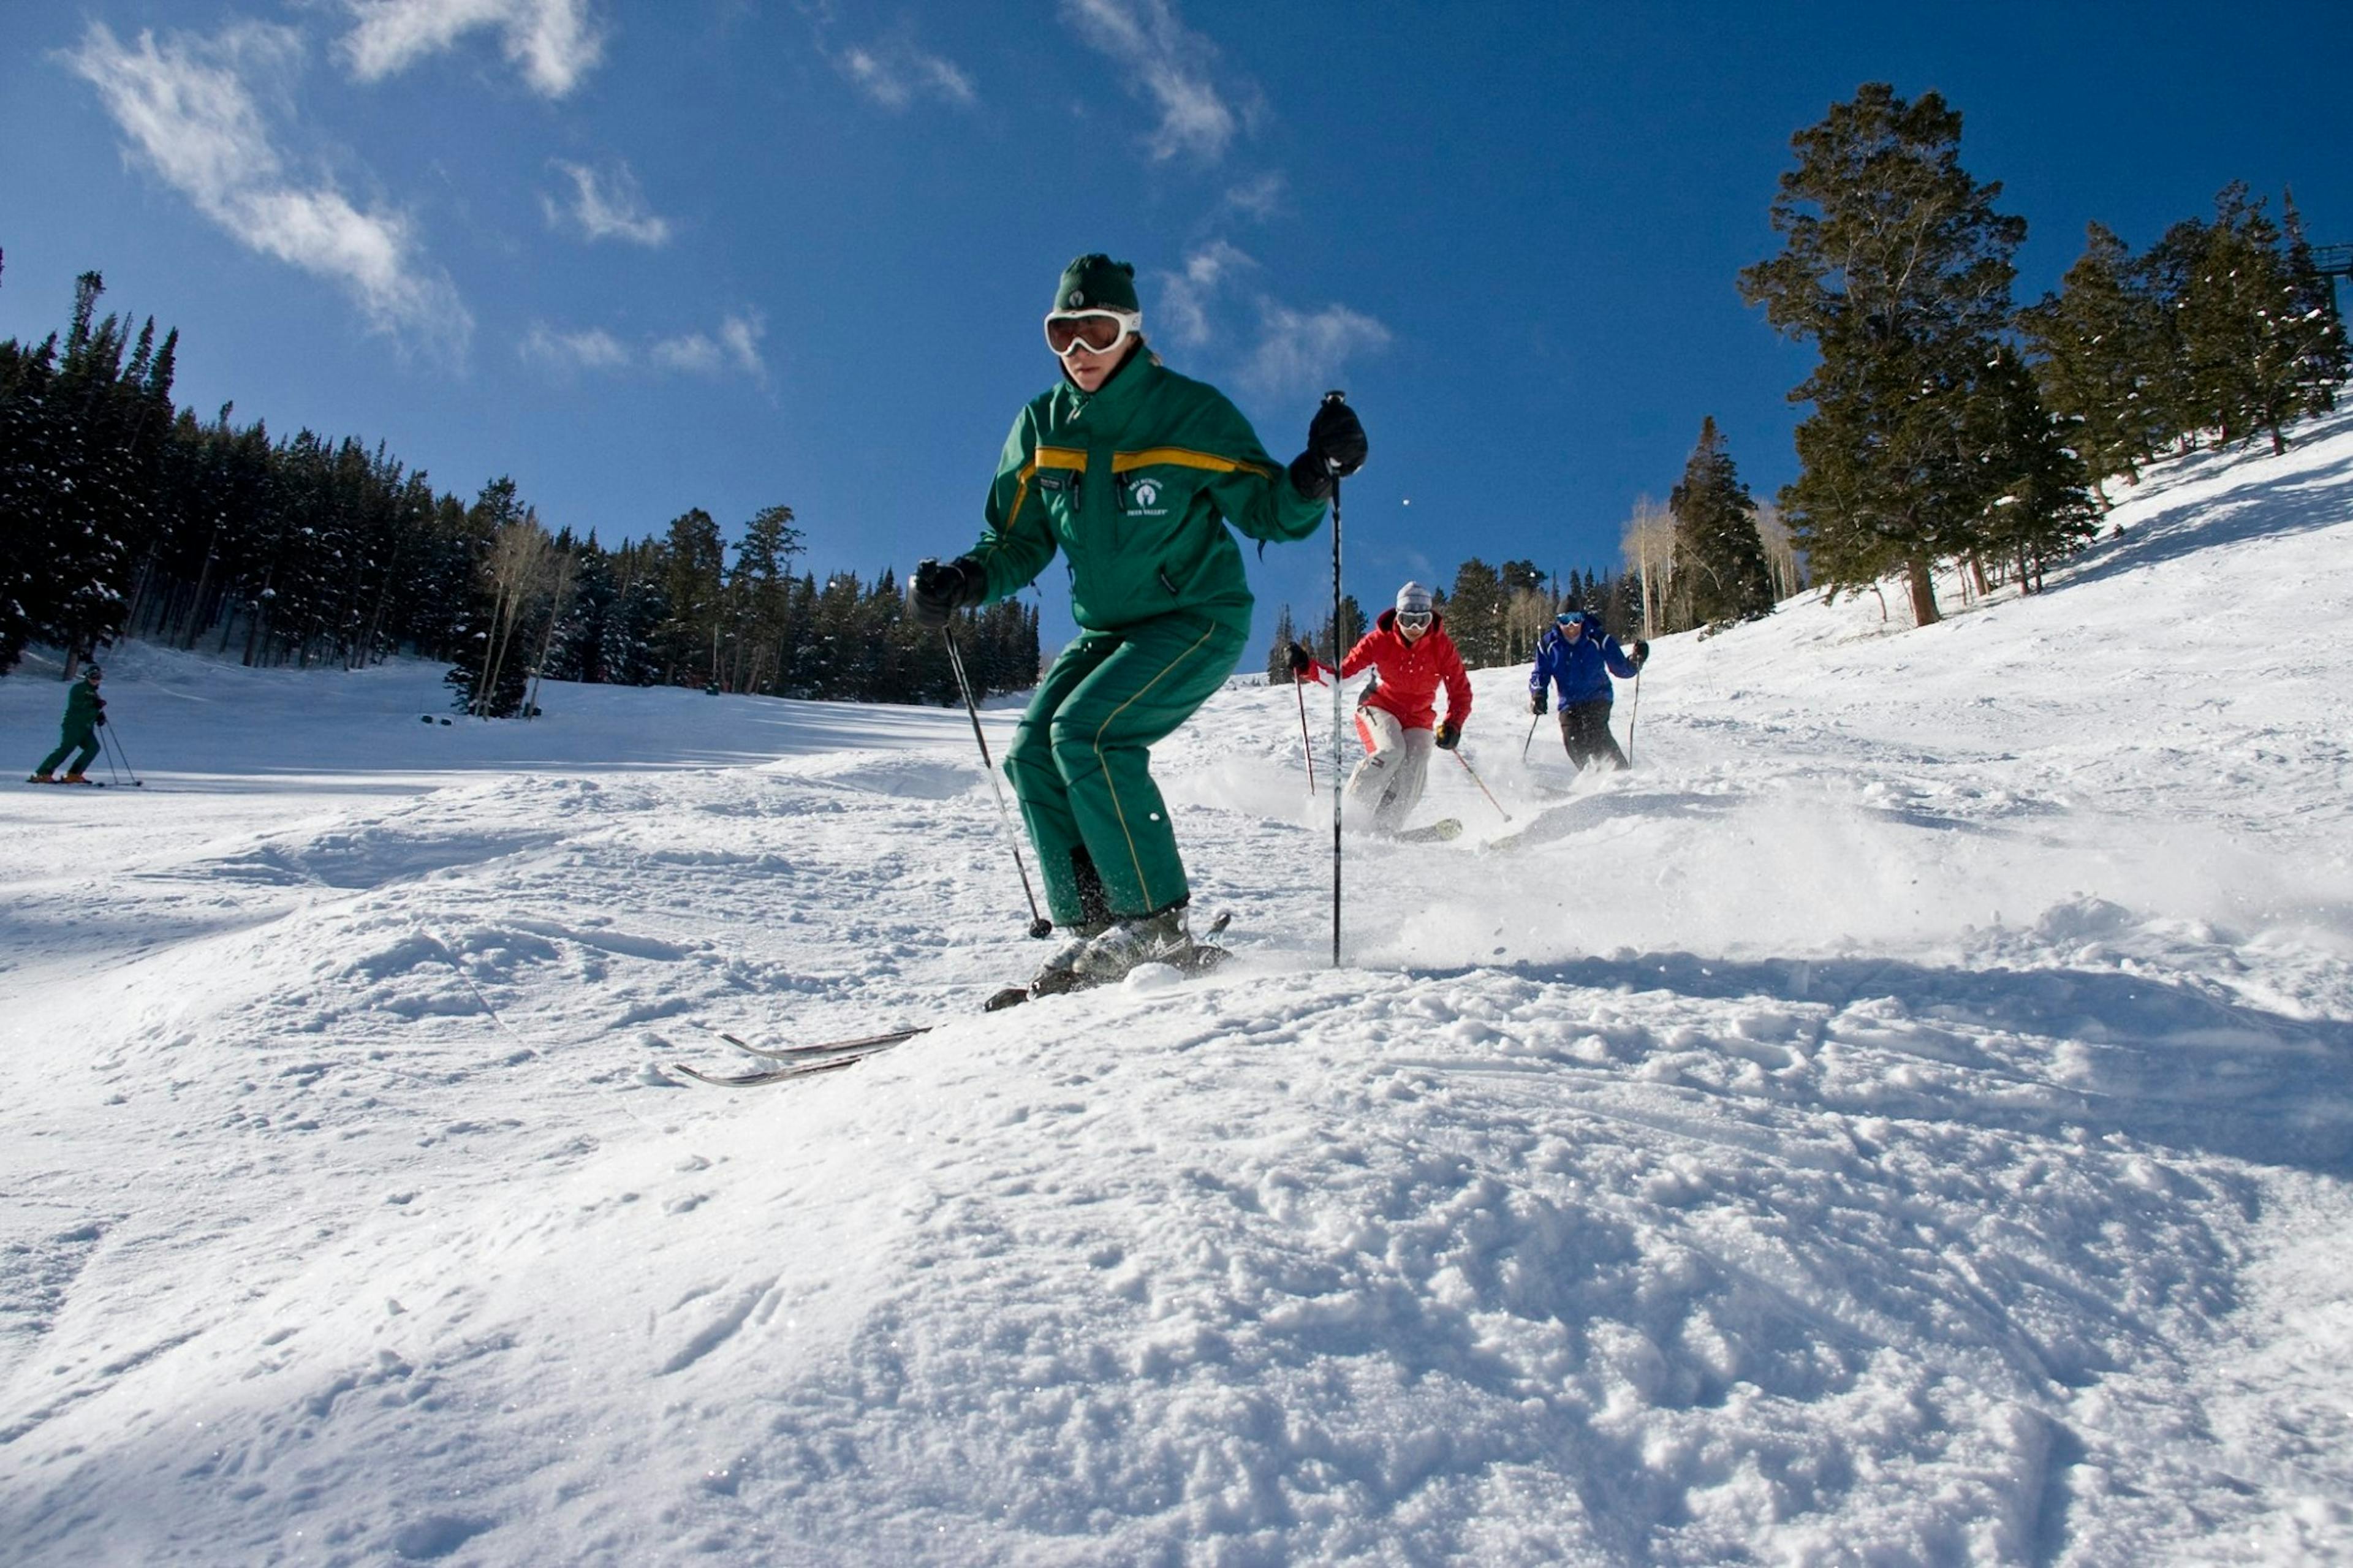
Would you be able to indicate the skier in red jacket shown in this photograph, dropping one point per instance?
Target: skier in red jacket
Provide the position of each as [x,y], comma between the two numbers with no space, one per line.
[1397,718]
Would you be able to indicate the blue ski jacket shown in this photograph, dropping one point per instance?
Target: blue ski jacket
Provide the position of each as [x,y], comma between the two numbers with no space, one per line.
[1581,668]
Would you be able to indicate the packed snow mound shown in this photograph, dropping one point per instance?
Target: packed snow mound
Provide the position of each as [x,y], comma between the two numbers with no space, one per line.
[1905,1119]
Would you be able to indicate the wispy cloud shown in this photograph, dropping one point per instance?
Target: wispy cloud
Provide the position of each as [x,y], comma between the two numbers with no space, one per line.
[736,344]
[1301,351]
[188,111]
[1186,296]
[606,205]
[555,43]
[594,349]
[1214,294]
[895,72]
[733,346]
[1172,65]
[1259,198]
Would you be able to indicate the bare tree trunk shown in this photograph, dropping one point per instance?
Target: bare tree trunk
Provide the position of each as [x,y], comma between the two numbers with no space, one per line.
[547,643]
[1923,584]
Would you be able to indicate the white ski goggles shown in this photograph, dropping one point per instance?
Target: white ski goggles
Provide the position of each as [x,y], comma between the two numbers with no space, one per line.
[1095,332]
[1414,620]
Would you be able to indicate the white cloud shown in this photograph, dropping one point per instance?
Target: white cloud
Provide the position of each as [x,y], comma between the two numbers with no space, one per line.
[1185,296]
[741,335]
[1300,351]
[594,348]
[1259,198]
[608,206]
[555,42]
[895,73]
[735,345]
[189,114]
[1172,66]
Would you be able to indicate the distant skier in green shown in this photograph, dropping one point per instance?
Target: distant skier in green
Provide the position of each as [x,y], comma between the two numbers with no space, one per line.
[1134,473]
[85,711]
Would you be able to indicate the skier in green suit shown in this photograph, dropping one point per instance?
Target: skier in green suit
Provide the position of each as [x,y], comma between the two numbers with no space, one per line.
[1134,472]
[85,711]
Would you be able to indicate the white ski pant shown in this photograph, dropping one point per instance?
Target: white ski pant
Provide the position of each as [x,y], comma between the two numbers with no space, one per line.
[1397,763]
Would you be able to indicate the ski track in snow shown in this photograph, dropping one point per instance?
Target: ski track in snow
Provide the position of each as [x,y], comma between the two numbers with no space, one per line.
[1904,1120]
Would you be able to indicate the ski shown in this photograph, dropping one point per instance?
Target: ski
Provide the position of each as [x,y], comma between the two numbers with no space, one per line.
[830,1056]
[868,1045]
[1436,833]
[798,1061]
[70,784]
[769,1076]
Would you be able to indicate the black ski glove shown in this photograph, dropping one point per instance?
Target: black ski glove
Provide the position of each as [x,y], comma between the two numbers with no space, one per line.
[938,590]
[1449,735]
[1642,653]
[1535,702]
[1335,448]
[1301,661]
[101,718]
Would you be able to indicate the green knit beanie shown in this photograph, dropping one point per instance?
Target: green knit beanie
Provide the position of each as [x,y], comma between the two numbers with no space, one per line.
[1096,282]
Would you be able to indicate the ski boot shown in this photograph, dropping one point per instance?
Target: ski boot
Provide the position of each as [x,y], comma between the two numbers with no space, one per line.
[1057,975]
[1130,944]
[41,778]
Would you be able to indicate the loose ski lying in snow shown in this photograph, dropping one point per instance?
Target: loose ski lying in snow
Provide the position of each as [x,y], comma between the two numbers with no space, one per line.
[829,1049]
[799,1061]
[755,1079]
[802,1062]
[1436,833]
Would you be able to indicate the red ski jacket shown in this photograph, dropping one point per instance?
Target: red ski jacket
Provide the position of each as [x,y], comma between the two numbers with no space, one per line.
[1406,676]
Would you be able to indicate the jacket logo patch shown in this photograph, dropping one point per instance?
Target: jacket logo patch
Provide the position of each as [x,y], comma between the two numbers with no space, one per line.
[1143,499]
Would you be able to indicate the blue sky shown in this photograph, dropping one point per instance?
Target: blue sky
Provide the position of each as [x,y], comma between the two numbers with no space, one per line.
[725,254]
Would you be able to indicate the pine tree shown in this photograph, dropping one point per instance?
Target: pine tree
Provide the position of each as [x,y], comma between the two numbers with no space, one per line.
[2313,352]
[1475,615]
[694,589]
[1278,653]
[2045,511]
[1897,266]
[1719,556]
[2101,344]
[760,599]
[1328,644]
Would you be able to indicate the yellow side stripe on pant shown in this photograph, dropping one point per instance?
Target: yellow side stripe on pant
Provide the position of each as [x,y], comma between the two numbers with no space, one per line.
[1134,858]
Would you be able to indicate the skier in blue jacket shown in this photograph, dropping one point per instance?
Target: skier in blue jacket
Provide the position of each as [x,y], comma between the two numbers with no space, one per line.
[1578,657]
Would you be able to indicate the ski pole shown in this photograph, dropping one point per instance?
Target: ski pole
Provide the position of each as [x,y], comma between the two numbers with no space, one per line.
[1040,926]
[1532,735]
[107,732]
[107,751]
[1339,656]
[1633,713]
[1304,743]
[1481,784]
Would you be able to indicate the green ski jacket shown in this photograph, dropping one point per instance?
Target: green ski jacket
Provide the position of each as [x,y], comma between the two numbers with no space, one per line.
[1133,483]
[81,707]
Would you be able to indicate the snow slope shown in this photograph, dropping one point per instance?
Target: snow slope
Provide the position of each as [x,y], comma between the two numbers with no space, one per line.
[1905,1121]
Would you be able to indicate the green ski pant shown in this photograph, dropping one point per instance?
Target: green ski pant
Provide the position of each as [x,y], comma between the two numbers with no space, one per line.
[1080,762]
[86,738]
